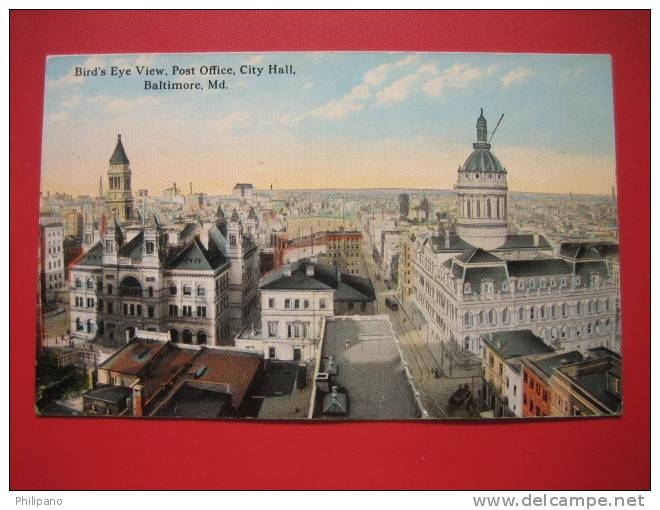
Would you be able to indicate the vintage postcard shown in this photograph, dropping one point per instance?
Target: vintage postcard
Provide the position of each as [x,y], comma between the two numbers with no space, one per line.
[332,236]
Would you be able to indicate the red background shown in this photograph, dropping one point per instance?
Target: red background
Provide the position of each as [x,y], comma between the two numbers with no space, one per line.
[61,453]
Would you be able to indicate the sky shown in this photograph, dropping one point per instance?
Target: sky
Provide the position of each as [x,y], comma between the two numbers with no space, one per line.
[343,120]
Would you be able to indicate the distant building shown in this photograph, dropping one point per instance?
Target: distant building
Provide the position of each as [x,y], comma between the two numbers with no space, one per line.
[360,373]
[404,205]
[51,233]
[243,191]
[73,223]
[344,250]
[143,193]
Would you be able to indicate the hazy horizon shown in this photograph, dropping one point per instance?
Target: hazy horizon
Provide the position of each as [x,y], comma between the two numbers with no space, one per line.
[371,120]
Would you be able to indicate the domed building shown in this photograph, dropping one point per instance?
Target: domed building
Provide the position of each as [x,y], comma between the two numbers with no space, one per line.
[481,191]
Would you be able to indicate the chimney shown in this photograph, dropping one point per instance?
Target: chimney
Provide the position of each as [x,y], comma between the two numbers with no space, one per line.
[137,400]
[338,275]
[286,271]
[309,270]
[536,239]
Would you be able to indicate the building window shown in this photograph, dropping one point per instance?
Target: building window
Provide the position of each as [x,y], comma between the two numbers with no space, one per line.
[201,337]
[272,329]
[201,291]
[186,311]
[150,291]
[78,283]
[322,303]
[174,310]
[271,303]
[150,247]
[296,303]
[201,311]
[287,303]
[174,335]
[187,290]
[79,325]
[271,352]
[187,336]
[350,305]
[150,312]
[306,303]
[172,289]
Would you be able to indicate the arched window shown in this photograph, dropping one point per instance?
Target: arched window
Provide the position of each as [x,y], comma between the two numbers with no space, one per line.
[469,209]
[532,313]
[110,289]
[563,331]
[553,311]
[79,326]
[505,316]
[130,286]
[482,317]
[542,312]
[578,307]
[491,317]
[187,290]
[78,283]
[201,291]
[590,328]
[478,208]
[90,284]
[150,247]
[187,336]
[90,327]
[201,337]
[488,208]
[466,319]
[172,289]
[174,335]
[607,304]
[150,290]
[466,343]
[521,314]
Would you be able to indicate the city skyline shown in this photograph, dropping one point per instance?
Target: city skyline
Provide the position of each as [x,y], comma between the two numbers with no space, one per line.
[367,120]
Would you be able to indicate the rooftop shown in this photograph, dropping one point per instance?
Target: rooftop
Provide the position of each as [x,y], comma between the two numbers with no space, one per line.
[514,344]
[370,372]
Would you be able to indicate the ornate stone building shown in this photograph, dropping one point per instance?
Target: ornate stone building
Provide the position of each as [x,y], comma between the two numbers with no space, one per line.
[198,280]
[482,279]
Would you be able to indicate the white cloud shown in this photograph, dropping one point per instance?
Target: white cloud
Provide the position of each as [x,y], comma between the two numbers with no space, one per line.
[337,109]
[457,76]
[378,74]
[257,59]
[401,88]
[519,74]
[57,117]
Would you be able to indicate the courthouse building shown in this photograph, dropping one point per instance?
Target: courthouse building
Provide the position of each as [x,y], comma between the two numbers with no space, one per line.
[481,279]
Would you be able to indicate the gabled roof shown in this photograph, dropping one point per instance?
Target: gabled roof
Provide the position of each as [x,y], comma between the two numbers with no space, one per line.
[93,257]
[478,256]
[119,155]
[196,257]
[133,248]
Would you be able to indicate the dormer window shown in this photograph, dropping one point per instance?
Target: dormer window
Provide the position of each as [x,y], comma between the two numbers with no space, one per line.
[466,288]
[232,239]
[150,247]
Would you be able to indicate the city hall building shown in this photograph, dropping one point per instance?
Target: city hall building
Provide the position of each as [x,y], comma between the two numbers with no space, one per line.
[481,279]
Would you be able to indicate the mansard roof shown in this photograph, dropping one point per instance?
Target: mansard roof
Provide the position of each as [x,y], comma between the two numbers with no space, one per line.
[536,267]
[518,241]
[119,155]
[588,250]
[477,256]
